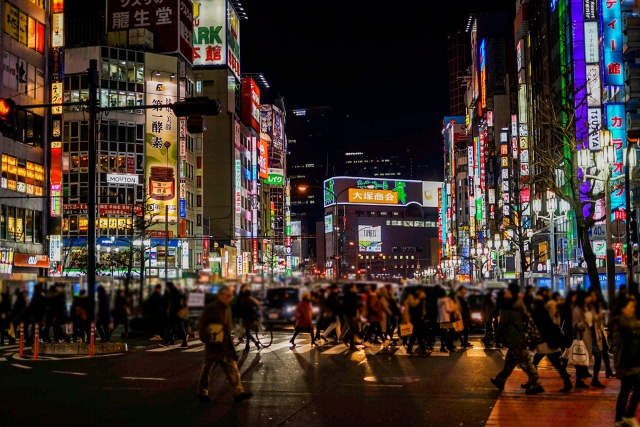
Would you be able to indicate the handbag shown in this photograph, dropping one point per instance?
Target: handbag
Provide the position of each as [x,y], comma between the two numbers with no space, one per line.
[577,354]
[454,317]
[406,329]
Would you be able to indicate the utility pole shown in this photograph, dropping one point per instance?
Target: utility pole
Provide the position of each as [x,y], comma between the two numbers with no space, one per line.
[91,214]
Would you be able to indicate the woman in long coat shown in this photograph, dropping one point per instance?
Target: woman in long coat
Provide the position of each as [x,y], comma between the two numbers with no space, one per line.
[583,321]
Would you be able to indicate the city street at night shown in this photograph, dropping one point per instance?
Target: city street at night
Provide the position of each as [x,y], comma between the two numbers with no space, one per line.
[326,386]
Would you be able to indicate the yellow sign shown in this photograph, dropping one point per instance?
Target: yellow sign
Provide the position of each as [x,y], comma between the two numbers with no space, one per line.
[12,20]
[373,197]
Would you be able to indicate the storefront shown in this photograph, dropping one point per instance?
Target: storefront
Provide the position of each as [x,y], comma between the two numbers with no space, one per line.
[30,263]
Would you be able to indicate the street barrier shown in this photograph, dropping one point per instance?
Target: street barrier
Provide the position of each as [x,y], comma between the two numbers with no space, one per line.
[21,330]
[36,338]
[92,338]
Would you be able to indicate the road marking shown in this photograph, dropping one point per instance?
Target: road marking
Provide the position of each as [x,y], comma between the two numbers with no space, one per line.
[337,349]
[3,359]
[476,352]
[9,347]
[21,366]
[372,351]
[306,348]
[195,349]
[383,385]
[273,347]
[143,378]
[69,373]
[401,352]
[439,354]
[161,349]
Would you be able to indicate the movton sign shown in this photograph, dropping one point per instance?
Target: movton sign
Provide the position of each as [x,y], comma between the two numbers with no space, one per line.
[122,179]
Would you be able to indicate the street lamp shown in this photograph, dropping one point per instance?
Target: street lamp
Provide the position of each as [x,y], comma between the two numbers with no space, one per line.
[552,207]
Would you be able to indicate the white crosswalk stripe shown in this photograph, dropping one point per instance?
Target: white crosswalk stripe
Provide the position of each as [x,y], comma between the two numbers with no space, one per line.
[336,349]
[194,349]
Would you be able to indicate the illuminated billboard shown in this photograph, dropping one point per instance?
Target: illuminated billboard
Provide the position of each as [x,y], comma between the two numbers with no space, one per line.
[374,191]
[251,103]
[369,238]
[170,21]
[161,151]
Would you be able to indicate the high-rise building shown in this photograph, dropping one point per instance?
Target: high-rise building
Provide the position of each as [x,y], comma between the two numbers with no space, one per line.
[24,208]
[458,61]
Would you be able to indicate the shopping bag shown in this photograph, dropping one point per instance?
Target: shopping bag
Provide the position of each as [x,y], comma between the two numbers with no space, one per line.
[406,329]
[577,353]
[12,331]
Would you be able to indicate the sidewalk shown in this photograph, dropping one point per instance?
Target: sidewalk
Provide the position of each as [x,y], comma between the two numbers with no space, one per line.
[591,407]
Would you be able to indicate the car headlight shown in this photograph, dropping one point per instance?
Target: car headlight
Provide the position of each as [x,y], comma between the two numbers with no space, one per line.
[315,310]
[476,316]
[290,309]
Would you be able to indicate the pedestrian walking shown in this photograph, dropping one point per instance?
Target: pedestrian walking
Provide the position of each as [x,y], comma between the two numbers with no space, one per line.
[566,322]
[303,319]
[528,297]
[5,317]
[249,314]
[415,312]
[445,309]
[121,311]
[385,313]
[79,317]
[512,333]
[585,323]
[465,313]
[625,343]
[319,301]
[103,319]
[393,320]
[156,313]
[487,312]
[214,327]
[374,316]
[550,344]
[176,313]
[599,330]
[332,312]
[350,307]
[36,312]
[19,313]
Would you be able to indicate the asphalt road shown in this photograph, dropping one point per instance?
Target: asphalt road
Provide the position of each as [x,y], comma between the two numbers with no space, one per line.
[327,386]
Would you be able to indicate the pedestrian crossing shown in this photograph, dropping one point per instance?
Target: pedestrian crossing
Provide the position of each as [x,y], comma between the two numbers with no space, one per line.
[328,349]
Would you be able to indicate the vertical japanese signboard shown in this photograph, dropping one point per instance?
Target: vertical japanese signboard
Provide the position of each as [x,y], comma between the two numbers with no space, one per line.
[183,161]
[57,79]
[170,21]
[612,42]
[161,140]
[616,123]
[251,103]
[233,44]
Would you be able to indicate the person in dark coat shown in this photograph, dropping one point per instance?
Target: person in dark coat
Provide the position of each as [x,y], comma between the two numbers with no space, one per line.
[393,320]
[79,317]
[5,316]
[415,312]
[103,320]
[214,327]
[487,311]
[374,315]
[551,342]
[121,311]
[176,303]
[303,319]
[58,314]
[19,313]
[511,333]
[248,308]
[350,307]
[156,313]
[332,312]
[37,311]
[466,316]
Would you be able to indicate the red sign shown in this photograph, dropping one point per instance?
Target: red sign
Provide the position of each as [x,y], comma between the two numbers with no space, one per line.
[26,260]
[620,215]
[105,209]
[170,21]
[131,165]
[183,228]
[263,158]
[251,103]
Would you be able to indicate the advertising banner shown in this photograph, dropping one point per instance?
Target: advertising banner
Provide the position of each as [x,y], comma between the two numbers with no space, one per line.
[170,21]
[380,191]
[612,42]
[263,158]
[369,238]
[210,32]
[251,103]
[55,244]
[328,223]
[275,177]
[162,151]
[233,40]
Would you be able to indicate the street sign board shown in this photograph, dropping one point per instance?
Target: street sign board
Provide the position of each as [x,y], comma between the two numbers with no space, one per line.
[598,232]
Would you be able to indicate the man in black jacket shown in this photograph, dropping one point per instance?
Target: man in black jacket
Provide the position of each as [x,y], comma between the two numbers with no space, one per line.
[466,315]
[156,313]
[350,305]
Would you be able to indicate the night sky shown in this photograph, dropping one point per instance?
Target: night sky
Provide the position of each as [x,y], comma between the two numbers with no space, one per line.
[384,67]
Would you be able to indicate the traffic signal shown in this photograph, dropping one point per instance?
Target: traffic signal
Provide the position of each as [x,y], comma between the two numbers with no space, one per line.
[194,109]
[8,116]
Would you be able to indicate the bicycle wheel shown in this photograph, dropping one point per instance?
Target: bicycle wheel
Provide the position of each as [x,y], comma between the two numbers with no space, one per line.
[264,335]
